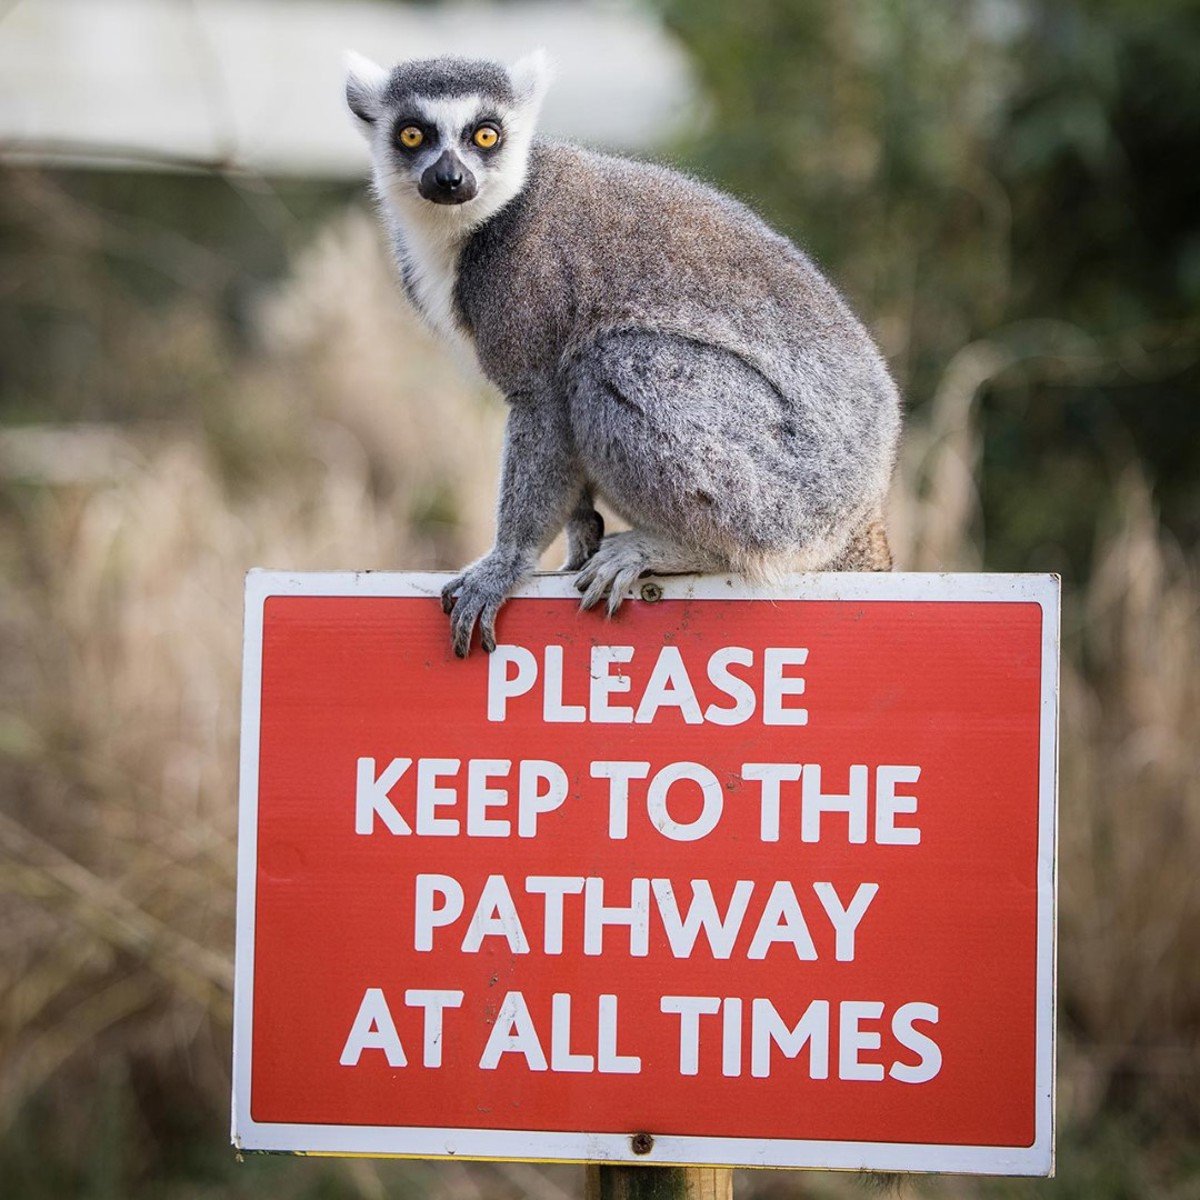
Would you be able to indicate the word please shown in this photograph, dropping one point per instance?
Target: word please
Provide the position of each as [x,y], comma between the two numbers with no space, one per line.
[513,671]
[440,902]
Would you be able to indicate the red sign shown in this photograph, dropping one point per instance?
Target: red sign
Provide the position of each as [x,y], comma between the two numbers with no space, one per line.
[766,875]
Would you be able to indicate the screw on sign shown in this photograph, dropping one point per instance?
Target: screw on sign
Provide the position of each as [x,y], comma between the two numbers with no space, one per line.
[744,877]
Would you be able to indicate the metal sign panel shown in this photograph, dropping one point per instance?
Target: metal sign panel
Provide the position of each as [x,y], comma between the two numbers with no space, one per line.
[747,875]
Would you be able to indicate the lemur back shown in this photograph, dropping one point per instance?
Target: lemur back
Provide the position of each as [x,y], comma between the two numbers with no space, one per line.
[596,246]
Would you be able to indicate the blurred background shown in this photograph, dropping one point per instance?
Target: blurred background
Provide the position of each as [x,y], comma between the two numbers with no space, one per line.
[205,366]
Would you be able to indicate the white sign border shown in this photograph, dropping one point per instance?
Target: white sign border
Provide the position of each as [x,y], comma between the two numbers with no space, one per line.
[551,1146]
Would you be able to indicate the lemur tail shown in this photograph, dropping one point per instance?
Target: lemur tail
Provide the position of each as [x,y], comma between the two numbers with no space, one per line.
[867,549]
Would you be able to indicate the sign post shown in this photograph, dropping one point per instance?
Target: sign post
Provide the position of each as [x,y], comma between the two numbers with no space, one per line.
[746,876]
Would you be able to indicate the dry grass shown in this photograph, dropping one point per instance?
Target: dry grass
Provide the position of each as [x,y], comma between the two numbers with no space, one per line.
[347,440]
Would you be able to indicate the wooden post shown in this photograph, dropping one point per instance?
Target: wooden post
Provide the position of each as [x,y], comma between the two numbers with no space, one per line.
[658,1183]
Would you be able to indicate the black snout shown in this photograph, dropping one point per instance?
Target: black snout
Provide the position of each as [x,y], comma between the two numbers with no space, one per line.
[447,181]
[448,177]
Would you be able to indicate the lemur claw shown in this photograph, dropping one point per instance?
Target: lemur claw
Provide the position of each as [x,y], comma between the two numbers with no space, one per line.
[448,594]
[474,598]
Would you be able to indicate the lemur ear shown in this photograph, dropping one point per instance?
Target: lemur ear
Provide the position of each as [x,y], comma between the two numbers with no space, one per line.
[365,82]
[532,76]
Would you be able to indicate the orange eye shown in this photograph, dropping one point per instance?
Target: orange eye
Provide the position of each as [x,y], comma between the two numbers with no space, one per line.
[411,137]
[486,136]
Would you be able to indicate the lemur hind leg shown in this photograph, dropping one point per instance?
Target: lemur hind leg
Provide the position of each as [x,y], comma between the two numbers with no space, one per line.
[624,557]
[584,529]
[697,445]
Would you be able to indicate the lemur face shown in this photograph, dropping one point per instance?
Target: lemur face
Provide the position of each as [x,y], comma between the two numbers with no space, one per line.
[448,133]
[448,145]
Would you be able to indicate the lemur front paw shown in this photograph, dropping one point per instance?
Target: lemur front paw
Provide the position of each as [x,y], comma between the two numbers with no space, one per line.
[584,535]
[475,596]
[612,570]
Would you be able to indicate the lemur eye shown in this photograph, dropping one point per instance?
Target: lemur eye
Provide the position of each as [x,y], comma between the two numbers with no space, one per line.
[411,137]
[486,136]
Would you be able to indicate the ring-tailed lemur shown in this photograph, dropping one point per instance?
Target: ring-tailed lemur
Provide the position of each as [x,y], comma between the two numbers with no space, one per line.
[658,344]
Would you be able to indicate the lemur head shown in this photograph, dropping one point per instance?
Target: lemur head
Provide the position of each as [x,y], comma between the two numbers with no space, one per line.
[449,137]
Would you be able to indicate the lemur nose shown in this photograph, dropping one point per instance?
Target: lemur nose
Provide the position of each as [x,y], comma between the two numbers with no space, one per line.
[447,181]
[448,174]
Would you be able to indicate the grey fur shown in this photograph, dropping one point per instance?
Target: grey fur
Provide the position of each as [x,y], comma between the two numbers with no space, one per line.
[661,347]
[448,76]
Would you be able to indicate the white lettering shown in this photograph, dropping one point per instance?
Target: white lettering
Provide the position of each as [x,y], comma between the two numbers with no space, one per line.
[669,685]
[495,916]
[782,921]
[776,686]
[814,802]
[702,914]
[912,1039]
[656,802]
[373,1029]
[596,916]
[770,775]
[767,1027]
[888,806]
[852,1039]
[741,692]
[604,685]
[513,1033]
[689,1009]
[502,686]
[481,797]
[371,796]
[845,920]
[434,1002]
[427,917]
[619,774]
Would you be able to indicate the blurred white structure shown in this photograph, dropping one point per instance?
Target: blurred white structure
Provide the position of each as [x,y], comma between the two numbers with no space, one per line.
[258,83]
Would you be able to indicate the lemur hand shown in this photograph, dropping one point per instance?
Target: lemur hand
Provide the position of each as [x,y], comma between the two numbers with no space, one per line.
[476,596]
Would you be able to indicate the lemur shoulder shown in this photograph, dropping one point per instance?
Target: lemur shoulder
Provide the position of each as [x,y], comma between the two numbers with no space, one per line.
[659,346]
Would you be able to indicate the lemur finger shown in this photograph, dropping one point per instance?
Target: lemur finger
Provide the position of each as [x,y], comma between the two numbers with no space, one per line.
[587,575]
[448,594]
[487,627]
[462,625]
[595,590]
[622,582]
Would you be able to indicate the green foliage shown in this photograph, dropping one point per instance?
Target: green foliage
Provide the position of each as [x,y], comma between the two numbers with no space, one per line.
[1015,171]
